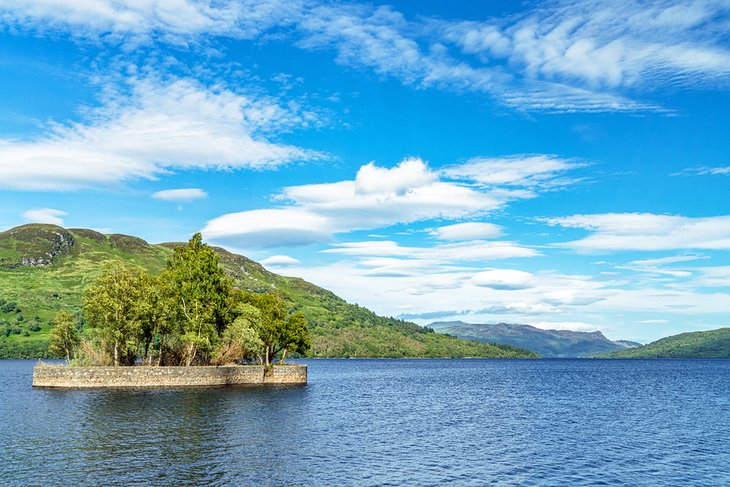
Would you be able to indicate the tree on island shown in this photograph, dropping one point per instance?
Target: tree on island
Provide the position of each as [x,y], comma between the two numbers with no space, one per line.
[278,331]
[200,294]
[240,341]
[188,314]
[64,335]
[113,307]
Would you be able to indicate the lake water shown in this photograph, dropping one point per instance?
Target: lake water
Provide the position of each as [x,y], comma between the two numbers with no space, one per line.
[384,422]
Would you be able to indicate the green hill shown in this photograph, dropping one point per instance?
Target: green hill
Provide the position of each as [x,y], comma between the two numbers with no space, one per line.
[548,343]
[44,268]
[698,344]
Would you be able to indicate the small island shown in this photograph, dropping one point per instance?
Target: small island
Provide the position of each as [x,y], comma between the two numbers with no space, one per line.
[187,326]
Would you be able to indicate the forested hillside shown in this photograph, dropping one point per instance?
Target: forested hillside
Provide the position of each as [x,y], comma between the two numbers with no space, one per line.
[44,268]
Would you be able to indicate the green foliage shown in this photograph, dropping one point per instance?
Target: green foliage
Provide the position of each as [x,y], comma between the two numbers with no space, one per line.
[64,336]
[278,330]
[200,293]
[112,307]
[699,344]
[240,342]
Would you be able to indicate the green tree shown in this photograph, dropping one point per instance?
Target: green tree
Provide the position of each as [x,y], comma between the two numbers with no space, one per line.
[113,307]
[278,331]
[153,311]
[200,296]
[64,335]
[240,342]
[294,336]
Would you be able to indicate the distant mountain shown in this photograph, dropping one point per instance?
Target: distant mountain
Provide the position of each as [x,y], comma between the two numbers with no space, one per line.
[548,343]
[44,268]
[698,344]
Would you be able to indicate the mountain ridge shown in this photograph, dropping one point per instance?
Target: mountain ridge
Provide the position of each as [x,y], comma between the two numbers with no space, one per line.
[548,343]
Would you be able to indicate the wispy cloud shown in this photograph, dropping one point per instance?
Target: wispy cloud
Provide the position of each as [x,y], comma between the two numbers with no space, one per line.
[704,171]
[560,56]
[181,195]
[468,231]
[45,215]
[155,128]
[646,232]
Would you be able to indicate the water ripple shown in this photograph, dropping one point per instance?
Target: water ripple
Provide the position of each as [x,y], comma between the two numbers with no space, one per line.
[383,422]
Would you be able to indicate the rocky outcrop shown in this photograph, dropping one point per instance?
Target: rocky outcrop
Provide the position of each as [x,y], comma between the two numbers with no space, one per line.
[38,245]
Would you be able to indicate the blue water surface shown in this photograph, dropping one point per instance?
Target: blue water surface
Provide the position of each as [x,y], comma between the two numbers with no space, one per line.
[383,422]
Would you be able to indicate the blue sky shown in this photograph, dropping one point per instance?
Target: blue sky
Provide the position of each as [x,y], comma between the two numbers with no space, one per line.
[562,164]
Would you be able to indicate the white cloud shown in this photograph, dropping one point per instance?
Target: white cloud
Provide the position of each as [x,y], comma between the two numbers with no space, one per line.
[646,231]
[658,266]
[668,260]
[180,195]
[280,261]
[269,228]
[45,215]
[504,279]
[378,197]
[711,276]
[157,128]
[173,20]
[704,171]
[468,231]
[538,171]
[599,44]
[475,250]
[405,177]
[561,56]
[564,325]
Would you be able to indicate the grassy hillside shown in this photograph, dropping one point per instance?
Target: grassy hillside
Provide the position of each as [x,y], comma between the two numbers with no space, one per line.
[44,268]
[699,344]
[548,343]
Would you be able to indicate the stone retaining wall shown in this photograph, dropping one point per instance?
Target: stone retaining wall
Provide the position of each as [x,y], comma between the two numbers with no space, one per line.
[62,376]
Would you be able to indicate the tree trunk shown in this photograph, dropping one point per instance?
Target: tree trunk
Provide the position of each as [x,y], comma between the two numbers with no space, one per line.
[116,353]
[283,356]
[191,354]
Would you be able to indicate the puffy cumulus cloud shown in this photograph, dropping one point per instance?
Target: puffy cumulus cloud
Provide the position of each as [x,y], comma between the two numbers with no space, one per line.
[378,197]
[468,231]
[405,177]
[504,279]
[181,195]
[156,127]
[646,231]
[280,261]
[45,215]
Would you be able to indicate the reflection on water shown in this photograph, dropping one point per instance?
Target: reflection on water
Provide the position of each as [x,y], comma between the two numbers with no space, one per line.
[383,422]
